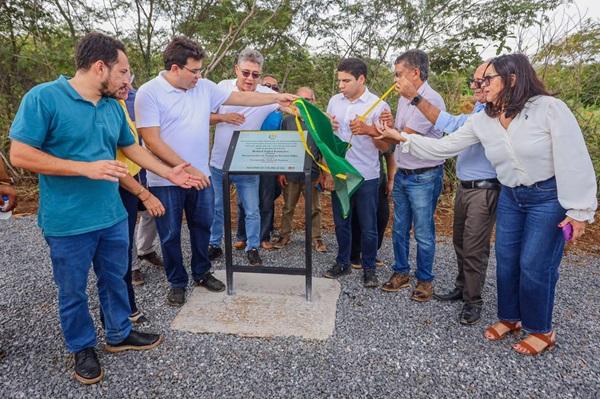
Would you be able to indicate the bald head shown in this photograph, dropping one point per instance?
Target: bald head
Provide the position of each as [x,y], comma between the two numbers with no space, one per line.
[307,93]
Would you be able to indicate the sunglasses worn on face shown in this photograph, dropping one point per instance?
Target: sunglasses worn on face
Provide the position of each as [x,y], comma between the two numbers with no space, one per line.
[488,79]
[272,87]
[246,73]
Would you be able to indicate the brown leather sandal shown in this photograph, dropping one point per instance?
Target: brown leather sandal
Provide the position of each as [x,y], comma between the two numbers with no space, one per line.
[423,292]
[512,328]
[530,350]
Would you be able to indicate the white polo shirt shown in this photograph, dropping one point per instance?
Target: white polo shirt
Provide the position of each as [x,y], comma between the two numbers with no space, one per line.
[363,154]
[183,117]
[255,116]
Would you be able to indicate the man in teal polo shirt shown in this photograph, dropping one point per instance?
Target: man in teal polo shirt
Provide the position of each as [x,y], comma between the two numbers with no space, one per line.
[68,132]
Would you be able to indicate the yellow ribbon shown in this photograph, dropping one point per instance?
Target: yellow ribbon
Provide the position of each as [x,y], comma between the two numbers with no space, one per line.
[305,144]
[363,117]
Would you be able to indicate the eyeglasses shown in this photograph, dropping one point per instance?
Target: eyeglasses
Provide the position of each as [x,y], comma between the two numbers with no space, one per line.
[269,85]
[487,80]
[246,73]
[197,71]
[475,83]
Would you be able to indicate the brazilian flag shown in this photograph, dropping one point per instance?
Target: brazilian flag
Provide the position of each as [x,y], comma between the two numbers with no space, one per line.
[347,179]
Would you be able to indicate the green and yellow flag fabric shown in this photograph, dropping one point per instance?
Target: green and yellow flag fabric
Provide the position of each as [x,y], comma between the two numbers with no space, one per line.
[347,179]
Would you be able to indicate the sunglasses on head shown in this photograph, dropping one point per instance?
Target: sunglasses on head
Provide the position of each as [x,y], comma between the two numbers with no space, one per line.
[246,73]
[272,87]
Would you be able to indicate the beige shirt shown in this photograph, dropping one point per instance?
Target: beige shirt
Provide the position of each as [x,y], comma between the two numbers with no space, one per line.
[543,141]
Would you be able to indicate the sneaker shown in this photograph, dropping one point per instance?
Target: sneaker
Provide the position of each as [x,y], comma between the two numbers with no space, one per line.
[370,279]
[176,296]
[396,282]
[211,283]
[137,277]
[319,245]
[357,263]
[87,367]
[136,341]
[239,245]
[282,242]
[254,257]
[470,314]
[152,258]
[266,245]
[454,295]
[214,252]
[337,271]
[138,318]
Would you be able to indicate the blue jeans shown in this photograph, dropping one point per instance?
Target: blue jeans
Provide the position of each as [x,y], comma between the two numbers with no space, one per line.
[269,191]
[198,208]
[364,208]
[72,256]
[247,191]
[415,198]
[529,248]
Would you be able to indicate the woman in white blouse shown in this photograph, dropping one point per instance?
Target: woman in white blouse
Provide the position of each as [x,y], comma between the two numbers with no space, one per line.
[548,181]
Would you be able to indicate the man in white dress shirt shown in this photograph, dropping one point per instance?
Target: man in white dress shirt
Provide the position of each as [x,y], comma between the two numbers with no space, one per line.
[345,108]
[172,114]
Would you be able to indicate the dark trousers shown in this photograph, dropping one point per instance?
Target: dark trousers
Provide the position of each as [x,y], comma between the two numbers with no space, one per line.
[198,206]
[383,216]
[474,218]
[364,201]
[269,190]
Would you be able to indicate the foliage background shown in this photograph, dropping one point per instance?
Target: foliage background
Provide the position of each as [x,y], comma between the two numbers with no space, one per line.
[303,41]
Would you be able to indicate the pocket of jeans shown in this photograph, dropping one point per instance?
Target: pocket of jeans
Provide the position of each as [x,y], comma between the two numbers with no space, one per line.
[426,177]
[546,186]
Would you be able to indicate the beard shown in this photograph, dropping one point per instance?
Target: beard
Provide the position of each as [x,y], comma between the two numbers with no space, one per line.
[104,89]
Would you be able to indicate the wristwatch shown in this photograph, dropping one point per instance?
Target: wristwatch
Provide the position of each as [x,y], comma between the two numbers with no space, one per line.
[7,181]
[416,100]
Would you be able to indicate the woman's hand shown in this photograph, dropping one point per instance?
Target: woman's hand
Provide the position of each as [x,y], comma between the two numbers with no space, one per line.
[578,227]
[388,133]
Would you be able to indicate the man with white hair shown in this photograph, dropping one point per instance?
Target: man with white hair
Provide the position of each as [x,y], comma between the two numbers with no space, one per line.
[229,118]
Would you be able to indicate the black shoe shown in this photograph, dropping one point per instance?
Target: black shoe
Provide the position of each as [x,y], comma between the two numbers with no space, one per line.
[470,314]
[214,252]
[87,367]
[337,270]
[454,295]
[176,296]
[370,279]
[136,341]
[211,283]
[152,258]
[254,257]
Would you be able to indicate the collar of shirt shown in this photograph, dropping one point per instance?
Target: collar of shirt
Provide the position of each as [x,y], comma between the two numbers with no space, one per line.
[166,85]
[363,97]
[71,92]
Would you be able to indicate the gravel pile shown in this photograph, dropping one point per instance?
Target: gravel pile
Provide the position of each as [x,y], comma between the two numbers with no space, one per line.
[384,345]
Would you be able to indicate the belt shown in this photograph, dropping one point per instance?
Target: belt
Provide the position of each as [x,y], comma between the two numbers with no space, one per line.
[485,183]
[416,171]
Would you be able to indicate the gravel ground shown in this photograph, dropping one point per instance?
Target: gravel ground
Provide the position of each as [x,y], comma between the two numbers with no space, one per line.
[384,345]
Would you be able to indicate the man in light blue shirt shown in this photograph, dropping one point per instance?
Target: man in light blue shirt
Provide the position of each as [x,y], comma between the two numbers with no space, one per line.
[474,206]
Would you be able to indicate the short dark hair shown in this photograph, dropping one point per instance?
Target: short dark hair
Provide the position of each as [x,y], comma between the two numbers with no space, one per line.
[512,98]
[353,66]
[179,50]
[417,59]
[94,47]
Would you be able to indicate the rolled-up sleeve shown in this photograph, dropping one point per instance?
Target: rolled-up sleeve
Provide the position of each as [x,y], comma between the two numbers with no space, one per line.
[440,149]
[573,168]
